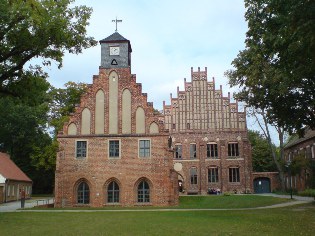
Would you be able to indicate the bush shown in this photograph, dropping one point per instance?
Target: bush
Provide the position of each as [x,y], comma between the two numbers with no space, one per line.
[308,192]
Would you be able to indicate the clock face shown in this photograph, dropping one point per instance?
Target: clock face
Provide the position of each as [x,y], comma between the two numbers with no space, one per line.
[114,51]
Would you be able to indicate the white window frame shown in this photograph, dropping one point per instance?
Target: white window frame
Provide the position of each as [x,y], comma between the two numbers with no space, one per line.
[119,152]
[139,140]
[76,149]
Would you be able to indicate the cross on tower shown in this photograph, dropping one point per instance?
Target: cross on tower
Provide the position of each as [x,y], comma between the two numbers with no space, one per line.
[116,21]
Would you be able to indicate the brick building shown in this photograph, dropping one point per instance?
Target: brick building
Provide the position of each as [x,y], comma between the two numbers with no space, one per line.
[14,183]
[211,148]
[117,150]
[304,148]
[114,150]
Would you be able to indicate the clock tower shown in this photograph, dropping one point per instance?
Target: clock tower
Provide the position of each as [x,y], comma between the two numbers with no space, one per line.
[115,52]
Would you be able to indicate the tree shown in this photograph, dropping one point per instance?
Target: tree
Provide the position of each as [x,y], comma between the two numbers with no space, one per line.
[63,102]
[277,153]
[261,154]
[22,132]
[38,29]
[276,70]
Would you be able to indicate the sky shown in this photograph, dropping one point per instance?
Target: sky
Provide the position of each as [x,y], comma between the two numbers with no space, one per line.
[167,37]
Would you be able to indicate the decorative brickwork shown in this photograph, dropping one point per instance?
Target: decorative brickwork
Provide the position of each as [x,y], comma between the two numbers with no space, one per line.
[116,150]
[202,116]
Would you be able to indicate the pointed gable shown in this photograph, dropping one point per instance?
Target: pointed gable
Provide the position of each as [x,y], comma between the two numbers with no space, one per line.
[9,170]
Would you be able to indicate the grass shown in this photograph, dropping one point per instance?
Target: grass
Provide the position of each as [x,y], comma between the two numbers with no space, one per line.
[297,220]
[206,202]
[227,202]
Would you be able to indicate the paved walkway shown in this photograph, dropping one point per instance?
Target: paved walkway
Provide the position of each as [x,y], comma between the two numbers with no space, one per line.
[30,203]
[15,206]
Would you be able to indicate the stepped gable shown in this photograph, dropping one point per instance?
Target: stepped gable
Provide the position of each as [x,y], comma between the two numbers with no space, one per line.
[203,107]
[126,81]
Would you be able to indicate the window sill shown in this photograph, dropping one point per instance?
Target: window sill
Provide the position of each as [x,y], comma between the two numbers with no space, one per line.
[143,204]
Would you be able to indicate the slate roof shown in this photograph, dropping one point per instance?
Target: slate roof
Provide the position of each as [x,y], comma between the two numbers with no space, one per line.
[114,38]
[309,133]
[9,170]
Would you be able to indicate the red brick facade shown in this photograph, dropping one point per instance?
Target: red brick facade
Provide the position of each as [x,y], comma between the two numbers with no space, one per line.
[98,170]
[201,119]
[305,148]
[116,150]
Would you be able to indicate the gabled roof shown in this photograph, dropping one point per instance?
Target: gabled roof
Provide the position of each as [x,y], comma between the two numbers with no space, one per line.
[309,133]
[116,38]
[9,170]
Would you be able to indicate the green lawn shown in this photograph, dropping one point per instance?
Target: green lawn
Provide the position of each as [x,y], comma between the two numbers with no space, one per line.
[208,202]
[227,202]
[295,220]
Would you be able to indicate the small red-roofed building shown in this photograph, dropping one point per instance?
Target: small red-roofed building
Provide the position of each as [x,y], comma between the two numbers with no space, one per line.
[14,183]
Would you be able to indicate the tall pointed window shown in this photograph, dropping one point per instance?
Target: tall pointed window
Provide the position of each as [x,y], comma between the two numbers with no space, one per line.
[83,193]
[113,192]
[143,192]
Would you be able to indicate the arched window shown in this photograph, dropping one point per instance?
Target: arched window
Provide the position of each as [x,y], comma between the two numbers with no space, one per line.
[143,192]
[83,193]
[113,192]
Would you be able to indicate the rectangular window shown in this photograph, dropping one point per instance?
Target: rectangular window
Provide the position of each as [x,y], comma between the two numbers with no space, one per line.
[233,150]
[212,150]
[144,148]
[234,175]
[81,149]
[193,176]
[178,151]
[308,152]
[213,175]
[8,192]
[193,154]
[113,148]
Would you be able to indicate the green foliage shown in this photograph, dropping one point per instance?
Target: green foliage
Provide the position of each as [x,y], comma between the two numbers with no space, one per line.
[261,153]
[22,131]
[38,29]
[298,164]
[63,102]
[307,193]
[276,70]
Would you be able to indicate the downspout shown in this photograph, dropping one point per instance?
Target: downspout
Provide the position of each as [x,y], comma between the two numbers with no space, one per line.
[6,189]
